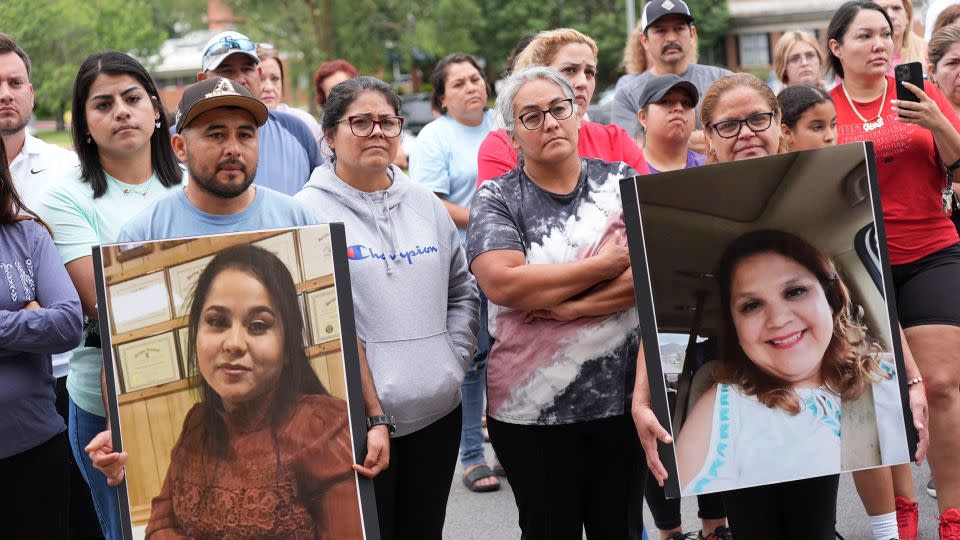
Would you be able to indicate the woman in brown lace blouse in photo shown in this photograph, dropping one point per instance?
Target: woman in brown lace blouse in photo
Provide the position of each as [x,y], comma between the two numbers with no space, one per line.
[266,453]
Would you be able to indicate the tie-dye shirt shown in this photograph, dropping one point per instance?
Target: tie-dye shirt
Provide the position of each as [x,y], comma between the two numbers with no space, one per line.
[549,372]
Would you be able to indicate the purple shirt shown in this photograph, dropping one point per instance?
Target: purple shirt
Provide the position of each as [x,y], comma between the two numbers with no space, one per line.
[693,160]
[30,269]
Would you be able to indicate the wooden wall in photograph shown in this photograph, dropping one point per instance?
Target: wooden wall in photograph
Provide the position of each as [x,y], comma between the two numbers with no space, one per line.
[157,413]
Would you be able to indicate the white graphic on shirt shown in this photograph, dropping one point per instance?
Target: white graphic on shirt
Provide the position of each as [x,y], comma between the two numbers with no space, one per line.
[13,288]
[26,279]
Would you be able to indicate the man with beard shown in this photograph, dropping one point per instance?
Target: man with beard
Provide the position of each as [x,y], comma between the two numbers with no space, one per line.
[670,37]
[33,163]
[216,138]
[288,152]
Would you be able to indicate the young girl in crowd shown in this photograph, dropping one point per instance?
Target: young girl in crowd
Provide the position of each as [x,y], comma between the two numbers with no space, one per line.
[122,139]
[913,143]
[417,306]
[809,119]
[272,433]
[39,315]
[573,55]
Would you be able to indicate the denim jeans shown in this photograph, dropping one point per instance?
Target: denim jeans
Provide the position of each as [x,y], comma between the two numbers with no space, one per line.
[82,427]
[473,391]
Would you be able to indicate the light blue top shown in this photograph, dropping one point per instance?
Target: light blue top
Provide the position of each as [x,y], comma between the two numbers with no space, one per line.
[287,155]
[80,222]
[445,159]
[176,217]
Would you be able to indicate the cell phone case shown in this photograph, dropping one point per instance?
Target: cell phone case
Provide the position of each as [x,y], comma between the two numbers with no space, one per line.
[912,72]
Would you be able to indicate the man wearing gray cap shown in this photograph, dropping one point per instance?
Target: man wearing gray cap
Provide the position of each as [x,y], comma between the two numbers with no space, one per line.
[670,37]
[288,151]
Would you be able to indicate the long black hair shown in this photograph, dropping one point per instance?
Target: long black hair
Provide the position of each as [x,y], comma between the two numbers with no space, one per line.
[163,160]
[296,376]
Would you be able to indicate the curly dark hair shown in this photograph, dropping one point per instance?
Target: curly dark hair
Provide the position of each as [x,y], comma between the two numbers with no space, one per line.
[850,363]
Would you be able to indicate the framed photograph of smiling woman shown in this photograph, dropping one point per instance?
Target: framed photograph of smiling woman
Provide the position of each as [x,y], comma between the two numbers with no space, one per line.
[766,309]
[253,432]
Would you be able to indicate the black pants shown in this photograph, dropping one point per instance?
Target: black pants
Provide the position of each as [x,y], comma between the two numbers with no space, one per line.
[412,493]
[800,510]
[567,478]
[666,512]
[83,521]
[34,498]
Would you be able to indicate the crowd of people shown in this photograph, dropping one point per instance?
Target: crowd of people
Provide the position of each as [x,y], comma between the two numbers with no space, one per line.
[526,324]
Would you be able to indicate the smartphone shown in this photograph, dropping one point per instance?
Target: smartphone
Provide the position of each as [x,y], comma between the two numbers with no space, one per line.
[911,72]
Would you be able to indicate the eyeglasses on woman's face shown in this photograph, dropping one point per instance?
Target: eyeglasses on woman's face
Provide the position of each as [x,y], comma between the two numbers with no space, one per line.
[729,129]
[362,126]
[561,110]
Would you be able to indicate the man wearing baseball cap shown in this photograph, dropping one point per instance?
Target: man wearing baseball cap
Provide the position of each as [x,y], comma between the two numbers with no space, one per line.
[288,150]
[670,38]
[216,137]
[666,115]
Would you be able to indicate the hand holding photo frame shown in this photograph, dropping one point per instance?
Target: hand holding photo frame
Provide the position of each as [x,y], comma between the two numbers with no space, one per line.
[175,390]
[718,250]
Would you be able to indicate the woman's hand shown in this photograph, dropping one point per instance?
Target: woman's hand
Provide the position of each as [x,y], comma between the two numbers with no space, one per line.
[615,256]
[31,305]
[926,114]
[650,431]
[918,407]
[105,460]
[564,312]
[378,452]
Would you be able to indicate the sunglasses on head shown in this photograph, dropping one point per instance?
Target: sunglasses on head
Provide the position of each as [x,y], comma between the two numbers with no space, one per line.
[227,44]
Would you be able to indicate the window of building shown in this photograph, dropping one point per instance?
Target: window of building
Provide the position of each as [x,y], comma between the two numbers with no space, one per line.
[754,49]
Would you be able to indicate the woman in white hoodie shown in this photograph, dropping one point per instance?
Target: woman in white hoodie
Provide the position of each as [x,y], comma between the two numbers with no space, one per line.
[416,304]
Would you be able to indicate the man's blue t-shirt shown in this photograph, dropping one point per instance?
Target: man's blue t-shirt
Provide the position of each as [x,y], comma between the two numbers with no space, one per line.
[288,154]
[175,216]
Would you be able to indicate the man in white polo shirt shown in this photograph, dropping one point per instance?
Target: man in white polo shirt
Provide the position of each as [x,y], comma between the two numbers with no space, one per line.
[33,163]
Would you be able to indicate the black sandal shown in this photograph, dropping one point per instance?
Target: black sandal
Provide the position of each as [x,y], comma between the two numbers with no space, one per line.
[479,473]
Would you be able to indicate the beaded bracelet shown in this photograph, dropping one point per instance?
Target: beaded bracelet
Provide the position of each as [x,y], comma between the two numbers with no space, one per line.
[914,381]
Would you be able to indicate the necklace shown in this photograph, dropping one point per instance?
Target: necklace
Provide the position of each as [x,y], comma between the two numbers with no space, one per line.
[140,190]
[877,122]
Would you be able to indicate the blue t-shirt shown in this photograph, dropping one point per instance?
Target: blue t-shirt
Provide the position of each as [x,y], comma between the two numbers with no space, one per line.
[176,217]
[287,155]
[694,159]
[445,159]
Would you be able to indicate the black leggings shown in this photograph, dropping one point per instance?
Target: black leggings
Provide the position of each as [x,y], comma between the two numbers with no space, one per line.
[571,477]
[412,492]
[666,512]
[799,510]
[35,494]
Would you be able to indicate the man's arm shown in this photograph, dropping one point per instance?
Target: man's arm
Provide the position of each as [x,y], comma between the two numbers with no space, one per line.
[606,298]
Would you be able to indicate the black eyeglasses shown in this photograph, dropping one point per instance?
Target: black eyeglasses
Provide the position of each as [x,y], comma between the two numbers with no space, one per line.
[229,43]
[362,126]
[534,119]
[729,129]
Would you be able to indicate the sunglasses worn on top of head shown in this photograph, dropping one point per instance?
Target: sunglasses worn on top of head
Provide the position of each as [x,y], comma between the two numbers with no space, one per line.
[228,44]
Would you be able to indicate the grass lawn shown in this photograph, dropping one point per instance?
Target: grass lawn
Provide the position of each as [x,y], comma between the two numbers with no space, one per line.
[60,138]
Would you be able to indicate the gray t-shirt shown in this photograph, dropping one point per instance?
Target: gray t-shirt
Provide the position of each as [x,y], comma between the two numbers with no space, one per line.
[626,104]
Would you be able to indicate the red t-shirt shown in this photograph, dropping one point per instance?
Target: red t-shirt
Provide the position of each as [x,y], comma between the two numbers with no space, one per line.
[609,143]
[909,172]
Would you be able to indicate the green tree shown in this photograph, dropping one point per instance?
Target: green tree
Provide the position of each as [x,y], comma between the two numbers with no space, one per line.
[59,34]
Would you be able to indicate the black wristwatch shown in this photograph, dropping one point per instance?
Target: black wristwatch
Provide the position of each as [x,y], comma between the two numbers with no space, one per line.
[382,420]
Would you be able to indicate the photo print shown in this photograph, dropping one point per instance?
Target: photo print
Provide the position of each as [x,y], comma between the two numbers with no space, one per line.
[765,283]
[234,385]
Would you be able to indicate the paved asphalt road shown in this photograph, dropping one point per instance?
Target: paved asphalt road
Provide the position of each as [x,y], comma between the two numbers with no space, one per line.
[493,516]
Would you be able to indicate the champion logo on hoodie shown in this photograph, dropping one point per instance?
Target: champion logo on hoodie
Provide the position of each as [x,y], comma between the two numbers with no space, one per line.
[359,252]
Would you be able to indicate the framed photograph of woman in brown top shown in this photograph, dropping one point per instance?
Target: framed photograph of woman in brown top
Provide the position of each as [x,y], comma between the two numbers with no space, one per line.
[259,436]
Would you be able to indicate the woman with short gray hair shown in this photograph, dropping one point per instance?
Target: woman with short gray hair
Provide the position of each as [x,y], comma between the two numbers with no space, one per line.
[546,244]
